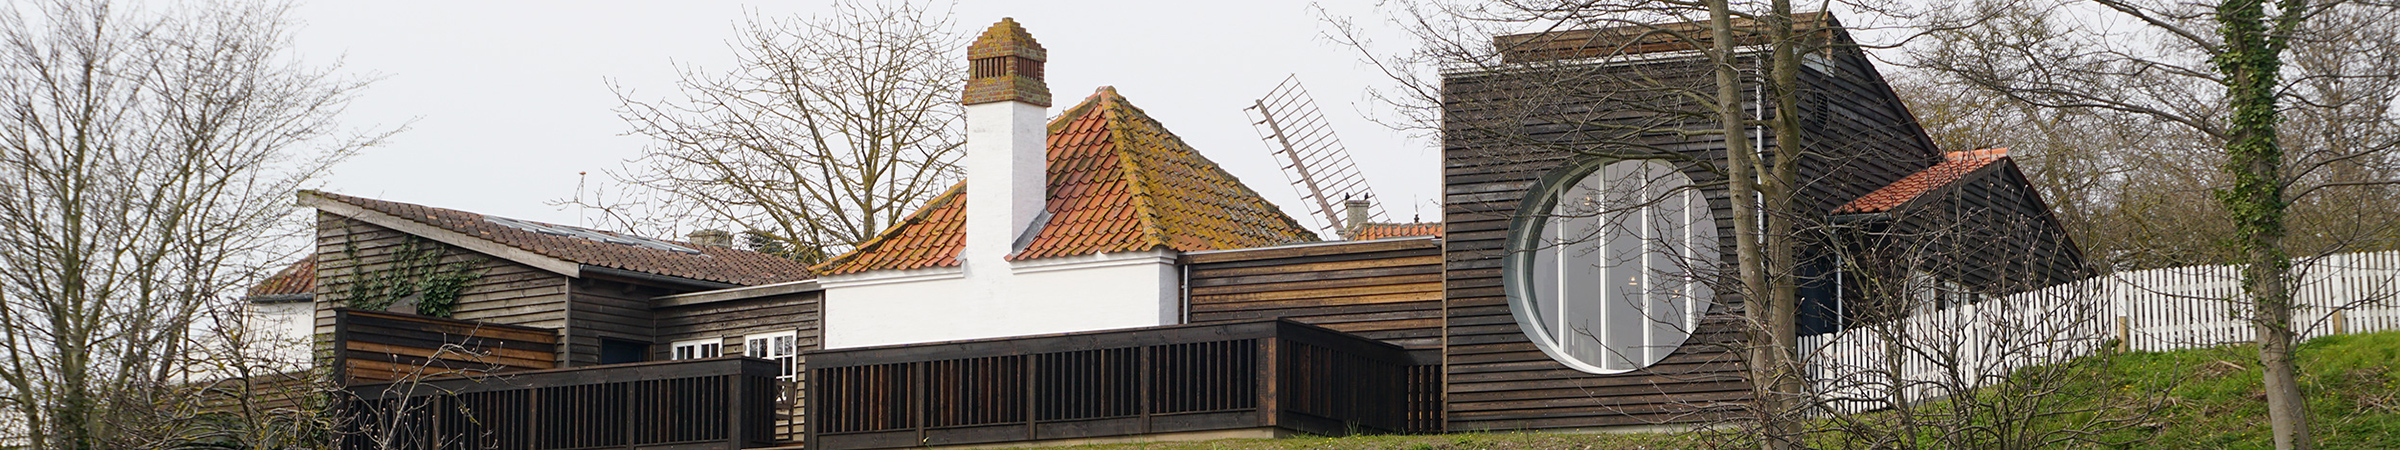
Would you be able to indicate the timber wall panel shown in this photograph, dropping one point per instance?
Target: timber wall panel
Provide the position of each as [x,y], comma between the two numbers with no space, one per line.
[1388,290]
[376,347]
[729,321]
[609,309]
[507,293]
[1496,145]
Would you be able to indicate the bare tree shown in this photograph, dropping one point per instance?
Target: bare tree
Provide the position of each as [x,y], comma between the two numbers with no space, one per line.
[1586,94]
[2293,97]
[829,130]
[152,156]
[1942,347]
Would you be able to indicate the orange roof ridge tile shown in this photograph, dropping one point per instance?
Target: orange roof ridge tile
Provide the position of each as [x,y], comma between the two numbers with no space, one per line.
[1956,166]
[1118,182]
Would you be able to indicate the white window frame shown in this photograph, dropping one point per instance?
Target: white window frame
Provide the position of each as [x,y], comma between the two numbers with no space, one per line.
[699,349]
[787,359]
[1605,261]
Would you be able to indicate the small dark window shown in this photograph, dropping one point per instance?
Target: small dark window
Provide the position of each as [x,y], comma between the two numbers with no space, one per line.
[619,352]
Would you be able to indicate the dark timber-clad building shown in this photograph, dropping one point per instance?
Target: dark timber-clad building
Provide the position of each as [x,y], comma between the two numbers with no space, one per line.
[1119,286]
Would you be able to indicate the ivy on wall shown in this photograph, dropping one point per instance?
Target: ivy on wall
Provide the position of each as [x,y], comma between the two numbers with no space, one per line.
[414,271]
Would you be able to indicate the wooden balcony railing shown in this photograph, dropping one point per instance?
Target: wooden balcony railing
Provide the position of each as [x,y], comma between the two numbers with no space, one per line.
[722,403]
[1188,378]
[377,347]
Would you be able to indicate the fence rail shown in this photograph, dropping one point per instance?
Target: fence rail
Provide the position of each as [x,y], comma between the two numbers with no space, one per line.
[723,403]
[377,347]
[1189,378]
[2148,310]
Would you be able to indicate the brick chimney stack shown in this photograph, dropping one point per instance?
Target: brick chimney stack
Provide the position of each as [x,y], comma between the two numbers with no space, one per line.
[1006,101]
[1005,64]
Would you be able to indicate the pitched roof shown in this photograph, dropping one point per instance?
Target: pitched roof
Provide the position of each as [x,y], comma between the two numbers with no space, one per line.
[1958,165]
[586,246]
[1118,182]
[1645,38]
[930,237]
[1374,231]
[300,278]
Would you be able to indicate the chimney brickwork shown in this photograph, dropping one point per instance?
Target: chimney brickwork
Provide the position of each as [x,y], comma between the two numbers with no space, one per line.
[1005,64]
[1006,146]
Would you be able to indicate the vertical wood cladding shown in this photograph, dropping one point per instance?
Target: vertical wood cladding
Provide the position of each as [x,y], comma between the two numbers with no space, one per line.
[1384,290]
[507,293]
[1990,231]
[729,321]
[604,309]
[1504,129]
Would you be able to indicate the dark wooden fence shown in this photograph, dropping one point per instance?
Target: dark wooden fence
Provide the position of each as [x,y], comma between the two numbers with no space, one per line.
[377,347]
[1224,376]
[721,403]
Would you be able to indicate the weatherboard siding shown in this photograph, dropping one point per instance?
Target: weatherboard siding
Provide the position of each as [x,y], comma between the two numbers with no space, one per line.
[1862,139]
[729,321]
[1389,291]
[507,292]
[1495,379]
[605,309]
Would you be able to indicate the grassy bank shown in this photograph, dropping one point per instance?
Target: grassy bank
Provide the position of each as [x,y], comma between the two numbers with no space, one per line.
[2211,400]
[2352,382]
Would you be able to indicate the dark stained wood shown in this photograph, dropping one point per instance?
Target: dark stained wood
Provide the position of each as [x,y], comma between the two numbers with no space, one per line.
[1504,130]
[729,321]
[1989,231]
[375,347]
[1234,375]
[507,293]
[609,309]
[722,403]
[1388,290]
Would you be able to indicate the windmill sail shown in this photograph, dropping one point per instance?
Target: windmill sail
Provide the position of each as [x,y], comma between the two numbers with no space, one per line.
[1312,158]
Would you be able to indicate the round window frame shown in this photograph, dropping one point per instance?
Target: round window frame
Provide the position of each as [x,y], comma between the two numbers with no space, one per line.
[1524,235]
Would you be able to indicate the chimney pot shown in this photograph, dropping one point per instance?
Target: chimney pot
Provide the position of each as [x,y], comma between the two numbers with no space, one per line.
[1006,151]
[1357,215]
[1005,64]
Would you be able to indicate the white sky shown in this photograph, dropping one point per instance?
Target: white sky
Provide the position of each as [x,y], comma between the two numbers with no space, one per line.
[510,100]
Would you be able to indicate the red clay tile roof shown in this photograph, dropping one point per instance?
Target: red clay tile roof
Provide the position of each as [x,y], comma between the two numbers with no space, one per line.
[300,278]
[1118,182]
[1909,188]
[719,264]
[1375,231]
[930,237]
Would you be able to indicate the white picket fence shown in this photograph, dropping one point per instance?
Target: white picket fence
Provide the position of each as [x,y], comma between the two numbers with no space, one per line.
[2148,310]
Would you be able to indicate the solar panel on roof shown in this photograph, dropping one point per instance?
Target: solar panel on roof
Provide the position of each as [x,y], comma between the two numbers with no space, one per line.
[558,230]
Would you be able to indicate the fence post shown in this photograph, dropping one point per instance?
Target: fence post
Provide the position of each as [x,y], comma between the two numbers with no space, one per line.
[2341,323]
[2124,334]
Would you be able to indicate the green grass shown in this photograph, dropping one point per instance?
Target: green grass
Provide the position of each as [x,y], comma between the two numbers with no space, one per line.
[2211,399]
[1461,441]
[2215,401]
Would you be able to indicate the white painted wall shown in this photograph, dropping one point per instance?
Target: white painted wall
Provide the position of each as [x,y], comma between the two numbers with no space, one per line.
[282,332]
[1007,176]
[1053,295]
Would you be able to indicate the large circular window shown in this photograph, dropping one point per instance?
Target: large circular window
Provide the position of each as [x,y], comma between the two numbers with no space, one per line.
[1605,262]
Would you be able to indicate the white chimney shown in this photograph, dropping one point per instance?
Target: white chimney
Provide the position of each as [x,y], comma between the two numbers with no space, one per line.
[1007,182]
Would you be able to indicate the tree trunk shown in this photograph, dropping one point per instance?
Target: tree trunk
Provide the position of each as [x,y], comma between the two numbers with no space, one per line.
[1767,357]
[2251,60]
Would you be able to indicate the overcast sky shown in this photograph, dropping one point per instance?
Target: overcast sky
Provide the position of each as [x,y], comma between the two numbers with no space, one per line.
[506,102]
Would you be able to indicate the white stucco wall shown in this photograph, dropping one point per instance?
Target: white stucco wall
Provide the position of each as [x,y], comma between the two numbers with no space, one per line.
[1007,176]
[282,332]
[1055,295]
